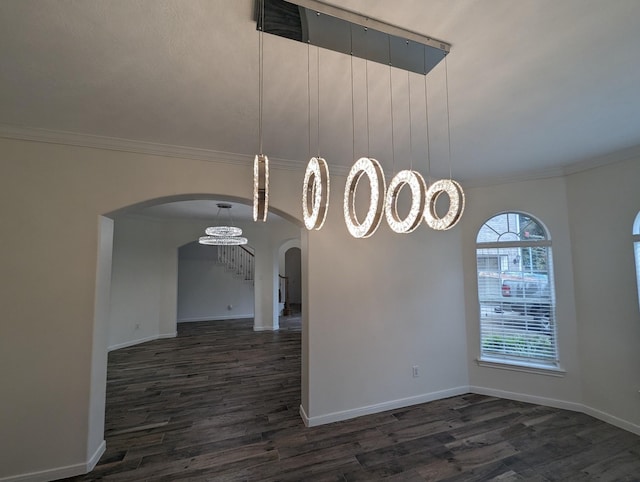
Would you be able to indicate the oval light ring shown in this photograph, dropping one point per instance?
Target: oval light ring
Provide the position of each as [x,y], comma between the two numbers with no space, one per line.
[372,169]
[416,183]
[222,240]
[456,204]
[260,187]
[315,192]
[223,231]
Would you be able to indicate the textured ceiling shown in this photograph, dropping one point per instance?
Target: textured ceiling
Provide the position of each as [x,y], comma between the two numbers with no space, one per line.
[534,85]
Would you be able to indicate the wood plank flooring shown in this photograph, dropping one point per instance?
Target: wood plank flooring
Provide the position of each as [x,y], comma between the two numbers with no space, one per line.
[220,402]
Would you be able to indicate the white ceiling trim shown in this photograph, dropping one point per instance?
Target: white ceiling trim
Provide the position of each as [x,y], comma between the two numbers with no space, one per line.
[182,152]
[598,161]
[144,147]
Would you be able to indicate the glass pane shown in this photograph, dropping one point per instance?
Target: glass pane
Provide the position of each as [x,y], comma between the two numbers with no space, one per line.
[511,227]
[517,304]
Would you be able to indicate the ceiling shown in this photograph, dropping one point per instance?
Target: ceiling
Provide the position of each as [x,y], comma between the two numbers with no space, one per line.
[534,86]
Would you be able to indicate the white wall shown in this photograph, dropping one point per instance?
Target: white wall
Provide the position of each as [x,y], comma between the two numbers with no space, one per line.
[368,322]
[206,291]
[48,289]
[546,201]
[603,204]
[100,340]
[143,296]
[375,308]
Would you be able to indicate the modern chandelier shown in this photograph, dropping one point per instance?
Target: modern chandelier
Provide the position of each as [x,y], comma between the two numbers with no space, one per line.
[261,161]
[316,186]
[362,37]
[223,235]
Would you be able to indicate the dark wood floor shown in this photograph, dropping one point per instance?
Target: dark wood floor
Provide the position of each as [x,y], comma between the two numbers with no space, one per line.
[220,402]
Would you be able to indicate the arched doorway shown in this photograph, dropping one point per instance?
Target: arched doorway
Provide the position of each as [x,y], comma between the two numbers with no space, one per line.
[290,277]
[156,239]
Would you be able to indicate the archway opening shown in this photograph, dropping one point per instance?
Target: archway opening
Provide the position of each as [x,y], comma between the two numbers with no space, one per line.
[159,228]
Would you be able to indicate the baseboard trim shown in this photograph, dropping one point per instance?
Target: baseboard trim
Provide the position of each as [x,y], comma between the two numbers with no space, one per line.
[552,402]
[613,420]
[88,466]
[266,328]
[452,392]
[213,318]
[93,460]
[60,472]
[141,340]
[381,407]
[304,416]
[523,397]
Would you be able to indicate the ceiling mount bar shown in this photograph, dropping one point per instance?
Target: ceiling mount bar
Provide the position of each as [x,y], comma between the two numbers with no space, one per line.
[340,30]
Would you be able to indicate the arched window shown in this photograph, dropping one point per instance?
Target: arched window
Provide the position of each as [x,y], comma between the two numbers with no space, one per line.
[636,250]
[516,292]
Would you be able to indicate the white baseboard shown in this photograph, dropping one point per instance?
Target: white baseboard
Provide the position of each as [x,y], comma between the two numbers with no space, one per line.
[452,392]
[93,460]
[83,468]
[523,397]
[304,416]
[381,407]
[214,318]
[266,328]
[552,402]
[613,420]
[141,340]
[60,472]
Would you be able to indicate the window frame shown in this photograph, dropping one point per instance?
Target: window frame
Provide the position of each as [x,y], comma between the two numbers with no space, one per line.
[530,364]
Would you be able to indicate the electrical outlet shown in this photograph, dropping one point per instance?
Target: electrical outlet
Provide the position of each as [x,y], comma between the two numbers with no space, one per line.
[415,371]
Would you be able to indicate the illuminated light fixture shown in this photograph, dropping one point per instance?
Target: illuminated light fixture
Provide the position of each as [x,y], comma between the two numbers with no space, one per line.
[377,184]
[222,240]
[372,169]
[447,186]
[223,231]
[456,204]
[418,188]
[223,235]
[315,193]
[260,187]
[260,162]
[315,187]
[409,178]
[406,50]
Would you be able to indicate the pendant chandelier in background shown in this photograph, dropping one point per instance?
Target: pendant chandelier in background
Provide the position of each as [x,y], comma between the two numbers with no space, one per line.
[223,235]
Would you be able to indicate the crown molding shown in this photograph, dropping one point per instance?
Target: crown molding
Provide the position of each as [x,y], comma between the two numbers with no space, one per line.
[209,155]
[566,170]
[603,160]
[520,177]
[138,147]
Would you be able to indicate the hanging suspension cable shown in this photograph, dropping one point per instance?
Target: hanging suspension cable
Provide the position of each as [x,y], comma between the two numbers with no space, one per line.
[446,77]
[393,149]
[426,115]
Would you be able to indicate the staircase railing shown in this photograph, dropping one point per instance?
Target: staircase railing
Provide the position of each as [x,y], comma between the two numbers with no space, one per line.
[237,260]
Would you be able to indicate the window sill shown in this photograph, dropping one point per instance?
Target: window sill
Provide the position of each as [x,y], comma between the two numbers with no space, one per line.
[522,367]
